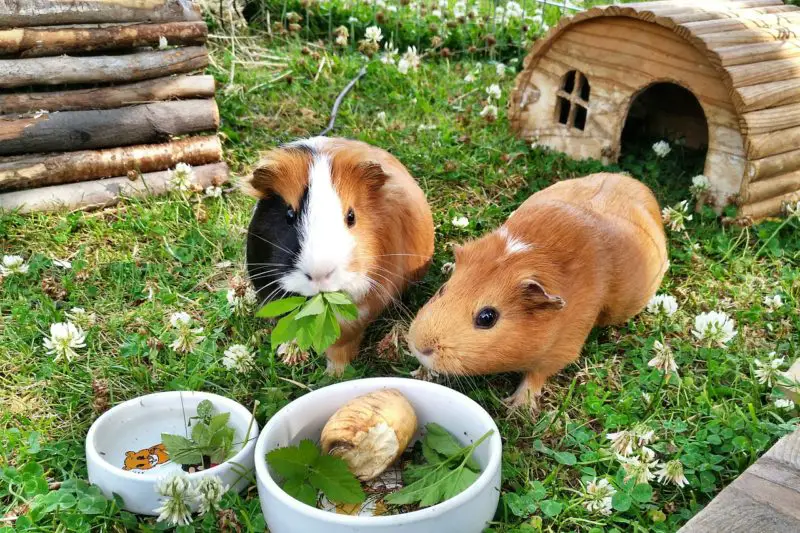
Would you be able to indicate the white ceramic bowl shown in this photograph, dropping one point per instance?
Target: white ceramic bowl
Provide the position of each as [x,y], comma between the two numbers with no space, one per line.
[137,425]
[305,417]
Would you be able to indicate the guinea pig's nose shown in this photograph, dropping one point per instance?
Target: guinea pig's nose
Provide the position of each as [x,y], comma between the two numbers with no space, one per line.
[319,278]
[426,351]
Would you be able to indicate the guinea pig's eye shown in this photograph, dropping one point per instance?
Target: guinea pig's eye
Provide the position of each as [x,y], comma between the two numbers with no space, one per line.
[440,291]
[291,215]
[486,318]
[351,218]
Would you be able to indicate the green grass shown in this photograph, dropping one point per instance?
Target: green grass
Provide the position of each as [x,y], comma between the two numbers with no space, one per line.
[715,417]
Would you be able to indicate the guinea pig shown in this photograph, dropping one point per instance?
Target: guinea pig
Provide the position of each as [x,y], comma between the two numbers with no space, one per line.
[583,252]
[337,215]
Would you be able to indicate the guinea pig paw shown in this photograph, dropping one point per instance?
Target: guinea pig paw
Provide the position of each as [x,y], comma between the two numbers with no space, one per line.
[522,401]
[335,368]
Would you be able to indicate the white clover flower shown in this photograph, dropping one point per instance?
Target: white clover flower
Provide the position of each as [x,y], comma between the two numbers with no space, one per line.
[180,319]
[13,264]
[213,191]
[460,9]
[700,185]
[187,338]
[352,20]
[644,434]
[792,209]
[181,177]
[514,10]
[162,43]
[81,318]
[672,471]
[493,91]
[409,61]
[500,70]
[62,263]
[238,358]
[448,268]
[597,496]
[489,112]
[392,9]
[663,360]
[374,34]
[291,354]
[241,302]
[768,371]
[177,493]
[662,148]
[622,442]
[381,116]
[784,403]
[389,56]
[714,327]
[676,217]
[469,78]
[639,468]
[341,40]
[662,303]
[460,222]
[64,339]
[210,491]
[773,302]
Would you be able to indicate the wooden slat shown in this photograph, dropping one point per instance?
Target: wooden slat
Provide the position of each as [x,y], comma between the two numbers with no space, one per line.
[750,36]
[771,120]
[765,497]
[38,170]
[103,193]
[777,186]
[768,167]
[767,95]
[59,40]
[18,13]
[743,22]
[82,130]
[101,69]
[757,53]
[772,143]
[757,211]
[765,72]
[701,15]
[171,88]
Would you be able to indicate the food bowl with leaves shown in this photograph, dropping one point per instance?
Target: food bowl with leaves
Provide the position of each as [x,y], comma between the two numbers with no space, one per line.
[379,454]
[139,443]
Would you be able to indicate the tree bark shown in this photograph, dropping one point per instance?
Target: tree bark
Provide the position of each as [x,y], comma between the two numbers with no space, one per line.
[81,130]
[17,13]
[101,69]
[175,88]
[103,193]
[29,171]
[54,41]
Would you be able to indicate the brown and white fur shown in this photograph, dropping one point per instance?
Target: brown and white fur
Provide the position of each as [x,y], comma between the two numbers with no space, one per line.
[337,215]
[583,252]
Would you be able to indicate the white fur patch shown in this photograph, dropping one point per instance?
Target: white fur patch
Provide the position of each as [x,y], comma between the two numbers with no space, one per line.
[513,245]
[326,244]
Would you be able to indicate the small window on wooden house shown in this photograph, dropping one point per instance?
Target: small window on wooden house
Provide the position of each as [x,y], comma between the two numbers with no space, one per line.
[572,104]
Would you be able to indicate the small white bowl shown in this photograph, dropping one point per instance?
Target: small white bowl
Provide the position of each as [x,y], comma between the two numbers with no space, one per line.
[304,418]
[137,425]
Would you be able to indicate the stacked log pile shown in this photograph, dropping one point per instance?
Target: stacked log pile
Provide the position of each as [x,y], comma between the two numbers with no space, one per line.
[100,98]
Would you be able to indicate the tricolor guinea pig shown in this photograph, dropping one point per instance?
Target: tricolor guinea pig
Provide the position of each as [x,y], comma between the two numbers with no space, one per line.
[583,252]
[337,215]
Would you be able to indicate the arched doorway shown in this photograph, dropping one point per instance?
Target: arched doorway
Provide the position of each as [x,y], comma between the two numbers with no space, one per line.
[666,111]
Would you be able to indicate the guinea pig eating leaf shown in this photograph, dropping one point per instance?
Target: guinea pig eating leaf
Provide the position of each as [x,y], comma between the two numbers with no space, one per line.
[335,215]
[583,252]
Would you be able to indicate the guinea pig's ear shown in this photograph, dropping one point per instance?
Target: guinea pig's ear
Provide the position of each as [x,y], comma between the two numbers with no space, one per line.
[372,174]
[262,181]
[458,253]
[536,297]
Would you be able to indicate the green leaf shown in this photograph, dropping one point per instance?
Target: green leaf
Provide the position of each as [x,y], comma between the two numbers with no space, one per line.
[565,458]
[305,332]
[444,443]
[430,454]
[621,501]
[551,508]
[205,409]
[642,493]
[218,422]
[334,479]
[201,435]
[280,307]
[538,492]
[92,504]
[181,450]
[315,306]
[293,461]
[347,312]
[301,490]
[284,331]
[521,506]
[327,331]
[337,298]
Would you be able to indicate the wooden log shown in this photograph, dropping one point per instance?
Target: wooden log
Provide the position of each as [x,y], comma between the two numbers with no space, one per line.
[764,72]
[775,165]
[772,143]
[766,208]
[82,130]
[54,41]
[101,69]
[756,53]
[792,389]
[750,36]
[29,171]
[173,88]
[743,23]
[103,193]
[713,14]
[771,120]
[660,5]
[17,13]
[767,95]
[777,186]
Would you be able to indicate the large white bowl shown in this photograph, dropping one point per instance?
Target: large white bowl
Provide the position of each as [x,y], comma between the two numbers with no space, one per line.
[138,424]
[305,417]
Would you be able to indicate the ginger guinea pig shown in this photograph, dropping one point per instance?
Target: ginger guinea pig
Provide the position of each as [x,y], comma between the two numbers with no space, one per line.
[337,215]
[583,252]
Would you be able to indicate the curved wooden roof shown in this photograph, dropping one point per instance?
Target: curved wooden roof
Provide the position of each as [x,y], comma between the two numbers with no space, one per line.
[755,47]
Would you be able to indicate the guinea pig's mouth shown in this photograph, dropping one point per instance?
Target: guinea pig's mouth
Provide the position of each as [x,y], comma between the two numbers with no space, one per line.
[426,360]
